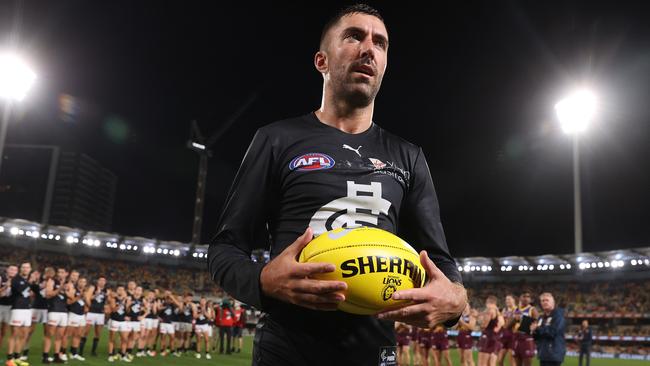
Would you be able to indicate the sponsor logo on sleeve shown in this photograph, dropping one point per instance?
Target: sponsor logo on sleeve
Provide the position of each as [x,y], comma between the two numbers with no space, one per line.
[311,161]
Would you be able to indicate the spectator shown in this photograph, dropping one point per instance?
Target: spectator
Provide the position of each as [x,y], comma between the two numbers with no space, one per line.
[585,339]
[548,332]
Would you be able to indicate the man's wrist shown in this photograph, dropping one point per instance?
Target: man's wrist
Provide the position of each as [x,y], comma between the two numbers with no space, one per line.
[461,293]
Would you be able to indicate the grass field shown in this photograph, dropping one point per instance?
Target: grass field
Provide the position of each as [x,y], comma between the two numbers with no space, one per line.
[237,359]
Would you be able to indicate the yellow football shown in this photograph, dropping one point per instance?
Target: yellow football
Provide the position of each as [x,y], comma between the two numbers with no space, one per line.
[373,262]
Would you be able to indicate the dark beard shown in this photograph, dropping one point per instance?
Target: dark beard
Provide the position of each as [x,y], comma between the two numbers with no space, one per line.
[357,98]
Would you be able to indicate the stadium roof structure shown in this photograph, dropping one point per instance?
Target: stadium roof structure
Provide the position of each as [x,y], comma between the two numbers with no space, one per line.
[638,258]
[24,231]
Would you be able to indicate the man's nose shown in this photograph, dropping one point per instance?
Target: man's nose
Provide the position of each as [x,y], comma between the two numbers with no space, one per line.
[367,48]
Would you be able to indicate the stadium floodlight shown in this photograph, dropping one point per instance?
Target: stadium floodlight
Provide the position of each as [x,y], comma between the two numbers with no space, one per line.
[600,264]
[575,112]
[633,262]
[69,240]
[607,264]
[2,229]
[122,246]
[135,247]
[551,267]
[647,262]
[50,237]
[568,266]
[43,236]
[198,146]
[177,252]
[466,268]
[16,77]
[58,237]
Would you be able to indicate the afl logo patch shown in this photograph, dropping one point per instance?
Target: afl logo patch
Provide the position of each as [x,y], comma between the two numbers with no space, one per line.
[311,161]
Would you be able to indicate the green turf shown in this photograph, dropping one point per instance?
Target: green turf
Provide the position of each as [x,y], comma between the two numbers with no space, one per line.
[237,359]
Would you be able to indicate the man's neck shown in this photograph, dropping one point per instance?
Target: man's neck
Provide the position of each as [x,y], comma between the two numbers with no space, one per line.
[340,115]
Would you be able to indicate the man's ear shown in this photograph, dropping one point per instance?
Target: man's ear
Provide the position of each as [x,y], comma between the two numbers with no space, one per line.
[320,62]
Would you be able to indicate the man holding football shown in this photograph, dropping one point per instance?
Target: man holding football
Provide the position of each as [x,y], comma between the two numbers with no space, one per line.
[332,168]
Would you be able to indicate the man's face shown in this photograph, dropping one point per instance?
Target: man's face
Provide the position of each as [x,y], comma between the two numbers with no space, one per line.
[61,273]
[524,299]
[82,283]
[585,324]
[355,55]
[12,271]
[138,291]
[547,302]
[25,269]
[131,286]
[74,276]
[510,301]
[101,282]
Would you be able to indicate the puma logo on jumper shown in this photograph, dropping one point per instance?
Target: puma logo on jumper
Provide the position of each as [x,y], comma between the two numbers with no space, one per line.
[346,146]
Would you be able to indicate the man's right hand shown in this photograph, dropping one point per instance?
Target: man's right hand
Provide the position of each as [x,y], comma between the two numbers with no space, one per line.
[286,279]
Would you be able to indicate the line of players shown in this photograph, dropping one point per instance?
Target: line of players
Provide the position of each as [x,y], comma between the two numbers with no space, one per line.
[505,335]
[70,308]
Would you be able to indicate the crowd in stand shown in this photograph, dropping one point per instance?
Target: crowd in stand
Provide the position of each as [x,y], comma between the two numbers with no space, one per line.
[116,271]
[629,297]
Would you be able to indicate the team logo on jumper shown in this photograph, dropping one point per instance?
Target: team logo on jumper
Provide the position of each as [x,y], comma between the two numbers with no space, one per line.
[311,161]
[361,206]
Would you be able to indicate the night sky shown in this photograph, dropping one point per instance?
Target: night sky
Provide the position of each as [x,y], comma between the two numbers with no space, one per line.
[473,83]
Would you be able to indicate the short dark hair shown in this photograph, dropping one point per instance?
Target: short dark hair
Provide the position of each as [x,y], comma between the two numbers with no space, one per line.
[352,9]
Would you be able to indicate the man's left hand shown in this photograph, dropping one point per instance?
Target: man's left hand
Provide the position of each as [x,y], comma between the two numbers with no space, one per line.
[438,301]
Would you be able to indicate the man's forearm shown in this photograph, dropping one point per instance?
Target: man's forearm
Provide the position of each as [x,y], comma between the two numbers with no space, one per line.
[234,271]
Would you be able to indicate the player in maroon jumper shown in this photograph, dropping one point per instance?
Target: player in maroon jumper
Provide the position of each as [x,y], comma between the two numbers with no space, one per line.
[491,323]
[440,343]
[424,340]
[525,315]
[403,335]
[466,323]
[507,334]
